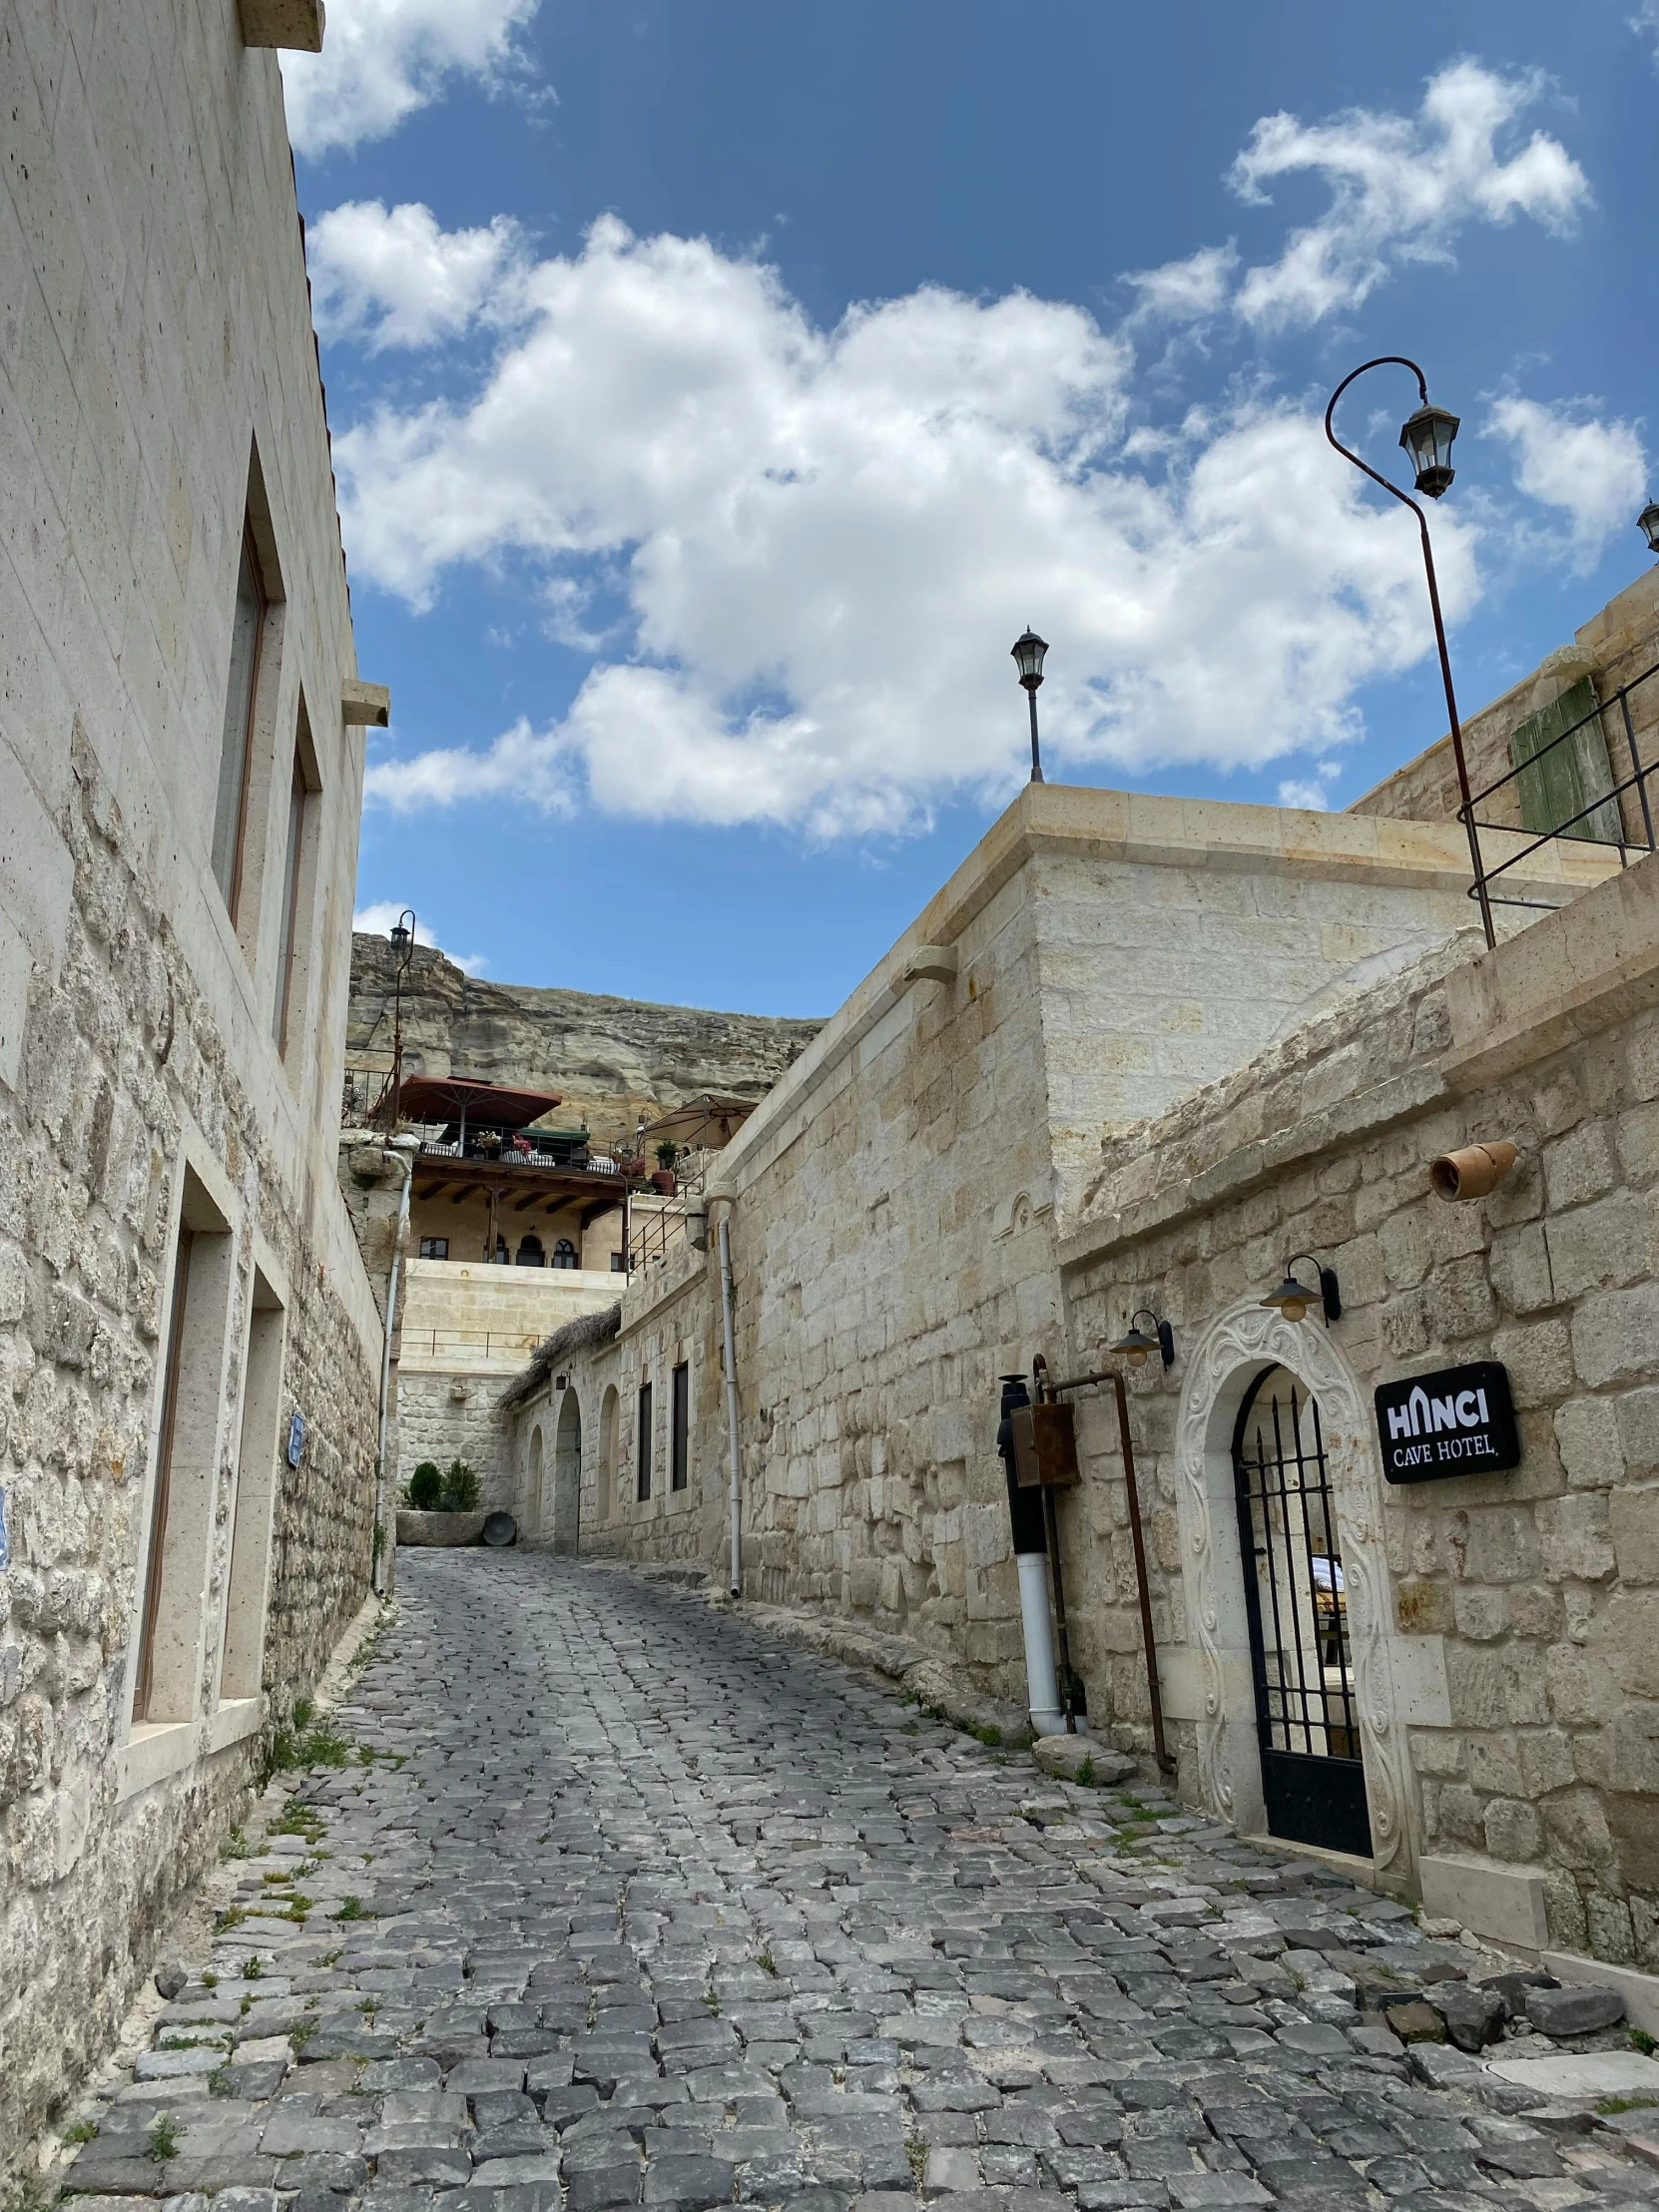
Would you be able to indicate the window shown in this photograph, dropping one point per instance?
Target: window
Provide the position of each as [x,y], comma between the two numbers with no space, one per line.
[434,1248]
[236,744]
[186,1458]
[295,927]
[1559,782]
[641,1488]
[530,1252]
[678,1449]
[242,1660]
[298,796]
[564,1253]
[616,1262]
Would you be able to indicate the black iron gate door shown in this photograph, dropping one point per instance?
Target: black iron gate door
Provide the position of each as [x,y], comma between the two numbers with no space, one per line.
[1306,1711]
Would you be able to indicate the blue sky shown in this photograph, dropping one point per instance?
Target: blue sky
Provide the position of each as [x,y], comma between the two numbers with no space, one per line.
[719,387]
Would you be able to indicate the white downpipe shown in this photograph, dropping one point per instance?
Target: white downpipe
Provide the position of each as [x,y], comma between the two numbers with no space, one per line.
[1042,1684]
[382,1578]
[732,1402]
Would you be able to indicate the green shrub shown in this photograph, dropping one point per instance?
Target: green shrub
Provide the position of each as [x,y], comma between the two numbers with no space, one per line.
[425,1488]
[460,1488]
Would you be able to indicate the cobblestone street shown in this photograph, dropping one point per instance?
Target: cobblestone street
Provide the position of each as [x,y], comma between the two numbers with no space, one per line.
[618,1900]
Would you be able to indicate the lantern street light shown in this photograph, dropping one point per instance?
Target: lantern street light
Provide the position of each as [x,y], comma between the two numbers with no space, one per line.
[1137,1346]
[1028,652]
[403,947]
[1426,436]
[1648,524]
[1295,1300]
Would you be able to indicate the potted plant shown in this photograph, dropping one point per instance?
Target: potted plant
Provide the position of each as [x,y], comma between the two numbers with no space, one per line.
[440,1505]
[665,1176]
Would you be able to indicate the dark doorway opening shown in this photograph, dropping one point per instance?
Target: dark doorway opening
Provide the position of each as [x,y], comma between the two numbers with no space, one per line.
[1295,1598]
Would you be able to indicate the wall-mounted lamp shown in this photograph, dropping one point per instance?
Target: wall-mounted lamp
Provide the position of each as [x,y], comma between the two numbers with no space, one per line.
[1294,1299]
[1648,524]
[1473,1170]
[1137,1346]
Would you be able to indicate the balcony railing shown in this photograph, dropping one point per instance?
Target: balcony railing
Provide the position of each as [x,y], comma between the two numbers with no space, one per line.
[1605,819]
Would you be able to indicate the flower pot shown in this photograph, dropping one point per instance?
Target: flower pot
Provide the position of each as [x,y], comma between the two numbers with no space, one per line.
[665,1180]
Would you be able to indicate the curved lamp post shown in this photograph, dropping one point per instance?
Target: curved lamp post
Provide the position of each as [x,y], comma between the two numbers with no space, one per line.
[1028,653]
[402,946]
[1426,436]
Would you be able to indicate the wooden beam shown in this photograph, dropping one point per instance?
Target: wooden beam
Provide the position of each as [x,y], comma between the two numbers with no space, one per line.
[591,1214]
[532,1199]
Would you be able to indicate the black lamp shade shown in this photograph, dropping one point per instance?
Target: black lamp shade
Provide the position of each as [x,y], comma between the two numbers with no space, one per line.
[1291,1298]
[1648,523]
[1426,437]
[1135,1345]
[1028,652]
[399,937]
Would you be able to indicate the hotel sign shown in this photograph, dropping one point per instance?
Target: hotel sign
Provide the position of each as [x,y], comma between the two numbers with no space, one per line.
[1461,1420]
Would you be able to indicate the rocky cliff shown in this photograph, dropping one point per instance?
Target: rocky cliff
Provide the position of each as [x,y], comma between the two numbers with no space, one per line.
[613,1060]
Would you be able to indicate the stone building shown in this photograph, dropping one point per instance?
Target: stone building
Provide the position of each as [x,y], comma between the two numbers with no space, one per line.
[1137,1056]
[191,1349]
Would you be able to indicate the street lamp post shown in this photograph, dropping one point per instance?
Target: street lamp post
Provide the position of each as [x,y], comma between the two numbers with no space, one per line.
[1028,653]
[403,947]
[1426,436]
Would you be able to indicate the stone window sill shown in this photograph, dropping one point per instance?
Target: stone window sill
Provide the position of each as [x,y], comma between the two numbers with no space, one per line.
[158,1750]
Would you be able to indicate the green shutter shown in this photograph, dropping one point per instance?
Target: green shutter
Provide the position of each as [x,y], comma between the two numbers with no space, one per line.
[1568,776]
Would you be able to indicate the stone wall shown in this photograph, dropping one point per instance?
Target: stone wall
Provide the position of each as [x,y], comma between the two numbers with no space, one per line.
[1512,1616]
[141,1083]
[893,1202]
[1616,646]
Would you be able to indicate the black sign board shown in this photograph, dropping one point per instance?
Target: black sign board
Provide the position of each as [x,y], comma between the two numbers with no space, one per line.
[1461,1420]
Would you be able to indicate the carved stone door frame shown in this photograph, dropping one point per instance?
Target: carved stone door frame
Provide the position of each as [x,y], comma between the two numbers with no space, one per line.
[1228,1357]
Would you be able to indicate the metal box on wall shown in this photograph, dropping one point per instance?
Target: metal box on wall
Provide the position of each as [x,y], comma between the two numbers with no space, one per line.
[1045,1447]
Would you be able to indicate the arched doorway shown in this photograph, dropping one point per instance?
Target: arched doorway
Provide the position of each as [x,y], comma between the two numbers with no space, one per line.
[606,1486]
[1296,1603]
[1224,1769]
[535,1509]
[567,1474]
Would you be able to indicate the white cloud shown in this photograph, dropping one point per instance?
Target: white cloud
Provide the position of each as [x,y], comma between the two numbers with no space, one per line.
[390,276]
[1400,188]
[1645,24]
[825,542]
[1593,472]
[1188,290]
[377,918]
[1311,791]
[383,59]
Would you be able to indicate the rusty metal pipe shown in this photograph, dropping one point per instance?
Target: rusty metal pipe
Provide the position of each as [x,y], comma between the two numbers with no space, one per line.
[1159,1744]
[1149,1641]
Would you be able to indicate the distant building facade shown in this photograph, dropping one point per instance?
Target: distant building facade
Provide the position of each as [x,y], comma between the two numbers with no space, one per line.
[192,1350]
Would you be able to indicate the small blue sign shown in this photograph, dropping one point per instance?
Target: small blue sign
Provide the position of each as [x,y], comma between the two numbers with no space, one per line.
[297,1438]
[5,1538]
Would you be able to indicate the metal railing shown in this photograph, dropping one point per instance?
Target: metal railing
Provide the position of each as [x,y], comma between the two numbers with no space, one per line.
[1614,794]
[655,1232]
[497,1344]
[537,1151]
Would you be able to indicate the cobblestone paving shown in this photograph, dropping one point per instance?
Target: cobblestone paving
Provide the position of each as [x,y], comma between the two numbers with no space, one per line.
[656,1910]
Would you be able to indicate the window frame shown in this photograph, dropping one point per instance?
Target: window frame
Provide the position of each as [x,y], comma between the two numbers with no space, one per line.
[678,1445]
[642,1445]
[251,555]
[425,1241]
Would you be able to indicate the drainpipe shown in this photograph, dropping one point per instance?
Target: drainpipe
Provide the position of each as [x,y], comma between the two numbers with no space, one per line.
[1025,1515]
[731,1400]
[1166,1765]
[382,1578]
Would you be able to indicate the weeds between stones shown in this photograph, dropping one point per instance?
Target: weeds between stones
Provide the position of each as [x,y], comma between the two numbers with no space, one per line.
[161,2138]
[350,1908]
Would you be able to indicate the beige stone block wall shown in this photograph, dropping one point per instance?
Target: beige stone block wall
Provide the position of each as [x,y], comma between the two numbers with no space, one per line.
[1522,1605]
[1615,648]
[156,327]
[894,1201]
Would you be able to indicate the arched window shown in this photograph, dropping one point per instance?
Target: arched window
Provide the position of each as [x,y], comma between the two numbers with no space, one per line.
[564,1253]
[529,1251]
